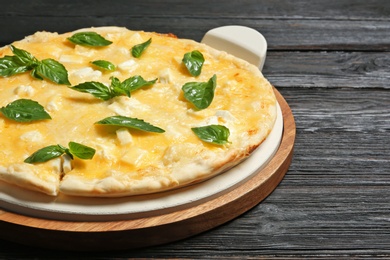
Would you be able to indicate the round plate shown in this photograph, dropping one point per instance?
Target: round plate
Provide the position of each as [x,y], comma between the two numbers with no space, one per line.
[160,226]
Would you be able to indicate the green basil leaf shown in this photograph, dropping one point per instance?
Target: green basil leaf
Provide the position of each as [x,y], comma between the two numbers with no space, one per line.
[53,71]
[23,56]
[216,134]
[200,94]
[66,151]
[81,151]
[117,88]
[105,65]
[11,65]
[53,151]
[94,88]
[193,61]
[91,39]
[35,74]
[138,49]
[136,82]
[45,154]
[21,62]
[129,122]
[24,110]
[24,61]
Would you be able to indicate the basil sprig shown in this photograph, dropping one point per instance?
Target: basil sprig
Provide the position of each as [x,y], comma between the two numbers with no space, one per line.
[216,134]
[193,61]
[105,65]
[23,61]
[11,65]
[200,94]
[116,88]
[138,49]
[91,39]
[53,151]
[24,110]
[130,122]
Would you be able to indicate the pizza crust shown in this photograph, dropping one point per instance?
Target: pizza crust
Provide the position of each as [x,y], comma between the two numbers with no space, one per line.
[244,102]
[22,175]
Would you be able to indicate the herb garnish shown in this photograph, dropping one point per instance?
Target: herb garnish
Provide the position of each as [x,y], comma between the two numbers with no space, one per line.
[216,134]
[53,151]
[116,87]
[23,61]
[200,94]
[193,61]
[138,49]
[105,65]
[130,122]
[24,110]
[91,39]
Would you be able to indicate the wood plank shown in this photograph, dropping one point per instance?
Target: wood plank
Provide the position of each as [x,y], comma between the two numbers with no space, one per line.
[274,9]
[328,69]
[280,34]
[329,25]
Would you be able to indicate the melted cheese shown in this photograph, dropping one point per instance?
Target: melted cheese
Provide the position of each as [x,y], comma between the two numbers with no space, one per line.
[122,150]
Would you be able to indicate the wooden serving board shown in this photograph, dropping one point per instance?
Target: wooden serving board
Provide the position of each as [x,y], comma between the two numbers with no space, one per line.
[159,228]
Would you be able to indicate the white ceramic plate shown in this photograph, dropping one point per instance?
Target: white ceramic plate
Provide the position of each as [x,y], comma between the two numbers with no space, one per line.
[70,208]
[241,41]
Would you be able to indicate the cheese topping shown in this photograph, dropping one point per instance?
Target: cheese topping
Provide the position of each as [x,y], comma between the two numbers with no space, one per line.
[129,152]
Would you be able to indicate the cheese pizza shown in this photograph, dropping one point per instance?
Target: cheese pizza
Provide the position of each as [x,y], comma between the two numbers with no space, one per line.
[110,112]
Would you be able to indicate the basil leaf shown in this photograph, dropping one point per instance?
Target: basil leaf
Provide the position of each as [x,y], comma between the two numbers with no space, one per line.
[53,151]
[136,82]
[138,49]
[23,56]
[66,151]
[35,74]
[129,122]
[105,65]
[117,88]
[45,154]
[91,39]
[53,71]
[24,110]
[81,151]
[11,65]
[200,94]
[216,134]
[21,62]
[94,88]
[193,61]
[24,61]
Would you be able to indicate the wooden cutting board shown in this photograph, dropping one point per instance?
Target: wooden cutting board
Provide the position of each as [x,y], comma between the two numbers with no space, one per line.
[159,228]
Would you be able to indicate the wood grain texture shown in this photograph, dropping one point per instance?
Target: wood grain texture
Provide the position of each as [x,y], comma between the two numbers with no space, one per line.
[266,9]
[325,69]
[280,34]
[330,61]
[333,25]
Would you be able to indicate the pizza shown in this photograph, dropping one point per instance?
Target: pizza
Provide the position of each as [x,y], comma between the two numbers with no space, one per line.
[111,112]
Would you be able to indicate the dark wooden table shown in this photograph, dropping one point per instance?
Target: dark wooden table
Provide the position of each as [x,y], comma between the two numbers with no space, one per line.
[331,62]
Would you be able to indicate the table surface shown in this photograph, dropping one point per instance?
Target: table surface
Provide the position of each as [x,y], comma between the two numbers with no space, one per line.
[331,62]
